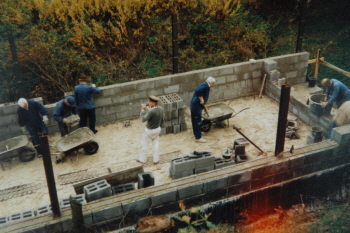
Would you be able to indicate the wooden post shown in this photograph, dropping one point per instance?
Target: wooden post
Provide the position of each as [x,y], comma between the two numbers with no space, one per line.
[317,64]
[77,215]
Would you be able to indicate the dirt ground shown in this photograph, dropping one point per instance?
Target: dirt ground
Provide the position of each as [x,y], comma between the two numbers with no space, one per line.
[23,186]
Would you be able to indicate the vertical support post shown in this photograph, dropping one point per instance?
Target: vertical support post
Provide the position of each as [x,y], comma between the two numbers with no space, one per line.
[300,37]
[50,178]
[282,119]
[317,64]
[175,45]
[77,215]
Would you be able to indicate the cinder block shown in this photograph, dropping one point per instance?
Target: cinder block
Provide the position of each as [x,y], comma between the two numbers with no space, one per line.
[214,185]
[164,198]
[3,220]
[123,188]
[182,164]
[145,180]
[180,174]
[182,119]
[136,206]
[273,75]
[183,127]
[176,128]
[190,191]
[204,169]
[181,112]
[269,65]
[43,210]
[175,121]
[64,203]
[21,216]
[97,190]
[310,139]
[220,163]
[169,129]
[174,114]
[241,158]
[108,213]
[239,150]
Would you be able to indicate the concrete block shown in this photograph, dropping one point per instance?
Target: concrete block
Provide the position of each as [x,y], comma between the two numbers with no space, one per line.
[273,75]
[179,174]
[310,139]
[176,128]
[169,129]
[21,216]
[64,203]
[174,114]
[43,210]
[214,185]
[136,206]
[167,123]
[107,213]
[239,178]
[162,131]
[239,149]
[123,188]
[269,65]
[182,164]
[190,191]
[220,163]
[182,120]
[97,190]
[341,135]
[145,180]
[241,158]
[171,89]
[175,121]
[183,127]
[204,169]
[164,198]
[181,112]
[88,219]
[3,220]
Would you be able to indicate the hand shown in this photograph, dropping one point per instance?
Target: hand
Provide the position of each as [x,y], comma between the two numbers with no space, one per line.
[93,85]
[46,119]
[324,104]
[24,130]
[66,120]
[143,106]
[201,102]
[77,116]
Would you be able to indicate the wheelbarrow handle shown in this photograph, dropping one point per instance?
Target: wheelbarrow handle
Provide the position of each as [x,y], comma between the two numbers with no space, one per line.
[240,111]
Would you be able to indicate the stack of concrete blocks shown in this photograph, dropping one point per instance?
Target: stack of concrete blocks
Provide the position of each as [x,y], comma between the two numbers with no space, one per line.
[65,203]
[97,190]
[239,149]
[315,136]
[145,180]
[123,188]
[174,114]
[21,216]
[189,165]
[220,163]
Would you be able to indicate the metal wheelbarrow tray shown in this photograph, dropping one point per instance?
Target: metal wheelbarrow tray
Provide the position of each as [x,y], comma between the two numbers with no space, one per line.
[217,114]
[17,147]
[80,138]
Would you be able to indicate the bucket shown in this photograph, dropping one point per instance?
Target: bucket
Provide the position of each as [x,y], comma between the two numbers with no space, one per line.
[316,107]
[312,81]
[317,132]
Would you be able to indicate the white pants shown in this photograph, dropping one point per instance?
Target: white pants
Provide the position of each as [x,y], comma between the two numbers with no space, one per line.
[150,135]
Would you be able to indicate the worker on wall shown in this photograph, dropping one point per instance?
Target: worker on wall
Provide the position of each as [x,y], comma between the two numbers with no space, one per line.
[85,103]
[64,109]
[337,90]
[199,99]
[32,118]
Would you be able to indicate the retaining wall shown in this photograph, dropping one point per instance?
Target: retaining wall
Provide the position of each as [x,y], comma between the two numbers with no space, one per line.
[122,101]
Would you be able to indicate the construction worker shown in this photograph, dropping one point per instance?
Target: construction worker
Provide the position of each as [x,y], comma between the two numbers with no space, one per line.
[64,109]
[154,115]
[199,99]
[85,103]
[338,91]
[32,118]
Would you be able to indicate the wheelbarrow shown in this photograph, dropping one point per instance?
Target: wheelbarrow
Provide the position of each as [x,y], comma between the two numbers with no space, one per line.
[72,142]
[217,114]
[16,147]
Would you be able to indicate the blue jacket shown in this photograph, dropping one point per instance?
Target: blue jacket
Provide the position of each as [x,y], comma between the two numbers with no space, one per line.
[62,111]
[339,92]
[83,96]
[33,116]
[202,90]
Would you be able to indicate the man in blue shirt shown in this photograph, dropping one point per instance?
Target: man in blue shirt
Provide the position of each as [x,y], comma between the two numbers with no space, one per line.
[32,118]
[337,90]
[85,103]
[64,109]
[199,99]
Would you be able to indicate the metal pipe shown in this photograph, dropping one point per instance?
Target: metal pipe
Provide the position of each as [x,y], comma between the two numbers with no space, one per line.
[50,178]
[247,138]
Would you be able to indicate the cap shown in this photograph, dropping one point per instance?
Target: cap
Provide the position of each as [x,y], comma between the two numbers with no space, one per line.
[71,101]
[154,98]
[82,78]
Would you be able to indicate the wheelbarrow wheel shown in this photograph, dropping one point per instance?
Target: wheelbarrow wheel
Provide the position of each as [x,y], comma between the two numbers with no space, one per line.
[91,148]
[206,125]
[27,154]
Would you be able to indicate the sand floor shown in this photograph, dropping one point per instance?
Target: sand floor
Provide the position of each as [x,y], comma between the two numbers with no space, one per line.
[120,145]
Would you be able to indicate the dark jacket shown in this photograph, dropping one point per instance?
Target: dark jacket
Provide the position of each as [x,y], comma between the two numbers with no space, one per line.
[339,92]
[83,96]
[62,111]
[202,90]
[33,116]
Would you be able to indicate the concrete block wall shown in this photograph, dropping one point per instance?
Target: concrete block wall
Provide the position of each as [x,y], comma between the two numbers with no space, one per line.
[123,101]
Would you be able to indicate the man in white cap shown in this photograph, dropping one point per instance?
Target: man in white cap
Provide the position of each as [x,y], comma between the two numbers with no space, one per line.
[154,115]
[64,109]
[32,118]
[199,99]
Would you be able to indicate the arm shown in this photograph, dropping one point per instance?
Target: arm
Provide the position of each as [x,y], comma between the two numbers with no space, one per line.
[145,115]
[42,109]
[334,94]
[95,90]
[57,113]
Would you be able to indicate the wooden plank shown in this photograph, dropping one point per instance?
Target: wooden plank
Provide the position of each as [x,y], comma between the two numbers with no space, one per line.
[347,74]
[317,64]
[120,177]
[312,61]
[262,86]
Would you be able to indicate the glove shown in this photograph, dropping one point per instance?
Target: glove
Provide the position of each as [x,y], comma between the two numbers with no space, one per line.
[24,130]
[66,120]
[46,119]
[93,85]
[77,116]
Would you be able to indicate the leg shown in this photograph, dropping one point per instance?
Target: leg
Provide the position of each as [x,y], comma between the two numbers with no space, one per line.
[63,128]
[34,134]
[145,141]
[92,119]
[197,126]
[156,147]
[83,118]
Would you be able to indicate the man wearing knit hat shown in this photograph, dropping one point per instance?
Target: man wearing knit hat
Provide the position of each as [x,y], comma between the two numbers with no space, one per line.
[154,115]
[64,108]
[85,103]
[32,118]
[199,99]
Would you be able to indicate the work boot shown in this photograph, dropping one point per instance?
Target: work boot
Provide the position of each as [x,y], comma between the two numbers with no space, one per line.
[202,140]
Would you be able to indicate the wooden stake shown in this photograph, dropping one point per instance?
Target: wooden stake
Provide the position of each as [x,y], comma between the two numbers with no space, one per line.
[317,64]
[77,215]
[262,85]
